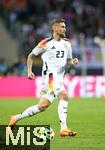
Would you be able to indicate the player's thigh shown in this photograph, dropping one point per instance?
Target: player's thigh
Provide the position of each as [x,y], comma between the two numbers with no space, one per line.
[58,84]
[60,90]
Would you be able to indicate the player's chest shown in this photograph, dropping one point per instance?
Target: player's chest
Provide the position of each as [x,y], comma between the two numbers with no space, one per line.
[57,50]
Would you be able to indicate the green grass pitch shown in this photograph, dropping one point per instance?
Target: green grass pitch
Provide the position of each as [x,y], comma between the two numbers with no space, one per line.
[86,116]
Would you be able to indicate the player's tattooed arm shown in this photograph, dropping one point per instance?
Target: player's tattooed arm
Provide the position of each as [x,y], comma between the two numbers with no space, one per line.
[30,60]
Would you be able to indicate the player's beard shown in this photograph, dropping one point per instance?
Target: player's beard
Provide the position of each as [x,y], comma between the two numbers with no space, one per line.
[62,35]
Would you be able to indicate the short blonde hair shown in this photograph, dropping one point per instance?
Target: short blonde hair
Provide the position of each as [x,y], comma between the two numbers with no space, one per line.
[54,21]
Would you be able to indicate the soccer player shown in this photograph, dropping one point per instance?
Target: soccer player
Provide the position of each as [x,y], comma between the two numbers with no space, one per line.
[55,53]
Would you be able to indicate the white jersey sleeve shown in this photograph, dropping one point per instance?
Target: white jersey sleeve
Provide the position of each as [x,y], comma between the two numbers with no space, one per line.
[36,51]
[69,51]
[40,48]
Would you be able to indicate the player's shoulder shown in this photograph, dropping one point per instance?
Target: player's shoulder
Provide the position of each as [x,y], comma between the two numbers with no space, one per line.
[46,40]
[67,40]
[43,42]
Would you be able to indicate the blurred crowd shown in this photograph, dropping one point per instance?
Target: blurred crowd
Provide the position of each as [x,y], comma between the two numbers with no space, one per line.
[28,21]
[17,68]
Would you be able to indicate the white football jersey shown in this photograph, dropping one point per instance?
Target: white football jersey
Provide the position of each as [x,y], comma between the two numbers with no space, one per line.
[54,53]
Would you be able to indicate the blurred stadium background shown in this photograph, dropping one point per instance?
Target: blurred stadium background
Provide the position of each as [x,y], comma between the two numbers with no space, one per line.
[23,23]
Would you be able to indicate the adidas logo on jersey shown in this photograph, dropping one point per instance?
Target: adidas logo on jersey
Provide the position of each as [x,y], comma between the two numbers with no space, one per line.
[53,47]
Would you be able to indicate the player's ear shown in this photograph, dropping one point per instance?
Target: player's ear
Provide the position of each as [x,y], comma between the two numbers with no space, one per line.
[54,27]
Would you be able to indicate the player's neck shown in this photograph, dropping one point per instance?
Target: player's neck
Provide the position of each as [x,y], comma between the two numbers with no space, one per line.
[56,37]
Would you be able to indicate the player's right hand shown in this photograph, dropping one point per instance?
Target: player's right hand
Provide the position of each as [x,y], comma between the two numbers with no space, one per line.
[31,76]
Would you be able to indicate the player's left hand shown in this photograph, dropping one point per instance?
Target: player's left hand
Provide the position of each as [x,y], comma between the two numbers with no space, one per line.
[74,61]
